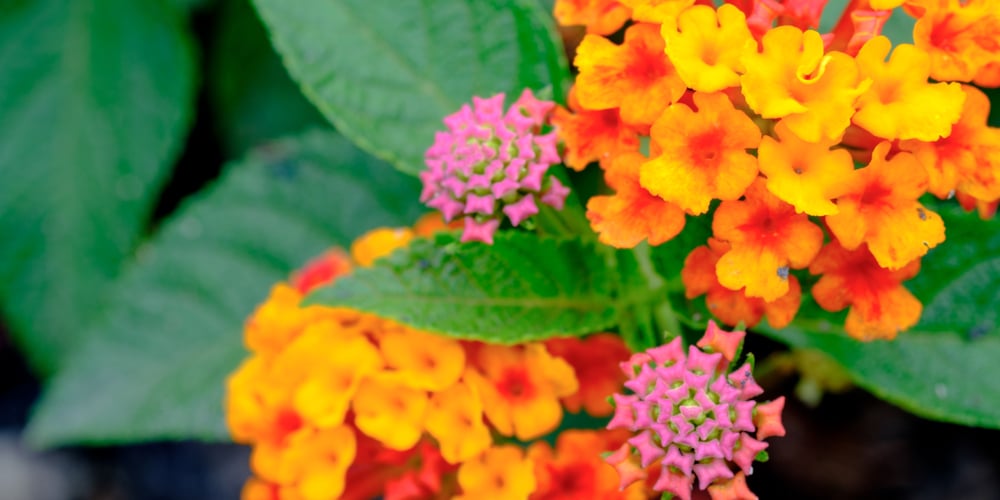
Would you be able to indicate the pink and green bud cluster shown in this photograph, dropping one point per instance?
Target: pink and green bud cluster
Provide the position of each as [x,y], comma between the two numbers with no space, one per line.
[693,418]
[491,163]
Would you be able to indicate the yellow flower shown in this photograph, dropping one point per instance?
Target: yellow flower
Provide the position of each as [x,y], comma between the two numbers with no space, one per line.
[706,47]
[901,104]
[455,419]
[807,175]
[793,79]
[424,360]
[388,410]
[379,243]
[501,473]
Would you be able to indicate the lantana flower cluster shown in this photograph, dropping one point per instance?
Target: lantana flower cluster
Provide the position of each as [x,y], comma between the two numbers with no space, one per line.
[693,418]
[808,150]
[341,404]
[493,163]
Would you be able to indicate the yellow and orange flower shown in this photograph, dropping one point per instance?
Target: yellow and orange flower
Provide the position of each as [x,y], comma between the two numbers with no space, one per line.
[703,153]
[961,36]
[520,388]
[601,17]
[630,215]
[766,238]
[656,11]
[968,160]
[733,306]
[792,78]
[901,103]
[501,473]
[880,306]
[807,175]
[707,46]
[880,208]
[635,77]
[590,136]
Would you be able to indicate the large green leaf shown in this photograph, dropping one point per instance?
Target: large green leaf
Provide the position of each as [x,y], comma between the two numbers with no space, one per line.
[155,366]
[253,96]
[386,73]
[521,288]
[96,98]
[941,369]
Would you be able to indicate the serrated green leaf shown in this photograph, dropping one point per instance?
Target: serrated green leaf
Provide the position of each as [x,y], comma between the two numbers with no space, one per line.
[386,73]
[254,98]
[154,367]
[521,288]
[939,369]
[96,99]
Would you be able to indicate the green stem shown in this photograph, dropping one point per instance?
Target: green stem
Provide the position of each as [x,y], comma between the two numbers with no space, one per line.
[666,319]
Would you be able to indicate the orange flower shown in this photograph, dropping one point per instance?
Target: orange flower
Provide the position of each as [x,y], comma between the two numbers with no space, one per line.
[733,306]
[388,410]
[575,470]
[901,104]
[968,160]
[880,305]
[961,36]
[656,11]
[734,488]
[793,79]
[595,362]
[880,208]
[766,238]
[313,466]
[601,17]
[520,388]
[279,320]
[706,47]
[636,76]
[501,473]
[704,153]
[808,175]
[632,214]
[592,135]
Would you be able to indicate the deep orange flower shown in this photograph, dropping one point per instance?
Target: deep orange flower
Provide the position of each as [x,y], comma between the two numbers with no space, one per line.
[601,17]
[520,388]
[766,238]
[595,362]
[901,104]
[703,153]
[733,306]
[575,470]
[881,208]
[880,306]
[592,135]
[656,11]
[792,79]
[961,36]
[968,160]
[807,175]
[706,46]
[635,76]
[632,214]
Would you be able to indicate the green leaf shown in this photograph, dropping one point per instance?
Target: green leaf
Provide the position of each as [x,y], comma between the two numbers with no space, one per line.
[254,98]
[386,74]
[521,288]
[941,369]
[96,100]
[154,367]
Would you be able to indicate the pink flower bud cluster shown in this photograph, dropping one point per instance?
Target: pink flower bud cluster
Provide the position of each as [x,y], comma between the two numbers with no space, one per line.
[693,418]
[492,163]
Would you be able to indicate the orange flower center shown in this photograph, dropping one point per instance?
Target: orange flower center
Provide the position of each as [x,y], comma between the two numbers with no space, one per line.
[516,385]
